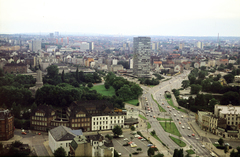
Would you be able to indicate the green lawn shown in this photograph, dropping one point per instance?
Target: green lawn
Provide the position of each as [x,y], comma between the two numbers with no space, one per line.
[133,102]
[141,116]
[178,142]
[102,90]
[170,128]
[148,125]
[160,107]
[171,104]
[190,151]
[162,119]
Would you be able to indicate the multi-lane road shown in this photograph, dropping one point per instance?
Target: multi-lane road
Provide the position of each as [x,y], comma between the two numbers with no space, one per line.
[193,142]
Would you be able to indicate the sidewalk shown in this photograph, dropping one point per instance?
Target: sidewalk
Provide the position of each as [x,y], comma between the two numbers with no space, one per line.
[13,139]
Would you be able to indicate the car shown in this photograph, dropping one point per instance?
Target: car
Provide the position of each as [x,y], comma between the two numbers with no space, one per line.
[182,116]
[133,145]
[177,119]
[120,135]
[143,139]
[130,142]
[119,154]
[24,133]
[153,147]
[180,123]
[125,139]
[197,138]
[150,115]
[193,134]
[167,106]
[162,103]
[188,128]
[137,135]
[149,145]
[227,144]
[189,135]
[149,111]
[170,110]
[39,133]
[175,115]
[183,127]
[140,137]
[216,142]
[173,108]
[203,146]
[150,107]
[154,117]
[178,112]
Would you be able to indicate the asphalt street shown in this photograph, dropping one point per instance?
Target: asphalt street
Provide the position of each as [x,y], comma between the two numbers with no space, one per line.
[158,93]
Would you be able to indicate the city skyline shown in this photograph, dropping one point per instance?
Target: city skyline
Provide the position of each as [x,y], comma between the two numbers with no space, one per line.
[137,18]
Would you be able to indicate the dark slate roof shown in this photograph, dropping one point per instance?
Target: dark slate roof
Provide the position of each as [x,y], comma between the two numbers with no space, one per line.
[108,144]
[62,133]
[44,108]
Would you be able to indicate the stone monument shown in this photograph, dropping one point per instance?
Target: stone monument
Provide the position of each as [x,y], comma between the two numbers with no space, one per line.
[39,83]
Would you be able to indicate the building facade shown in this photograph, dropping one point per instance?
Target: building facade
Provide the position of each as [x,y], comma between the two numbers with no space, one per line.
[141,56]
[6,124]
[15,68]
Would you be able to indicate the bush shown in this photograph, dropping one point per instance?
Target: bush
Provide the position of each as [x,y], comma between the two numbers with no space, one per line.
[135,153]
[220,147]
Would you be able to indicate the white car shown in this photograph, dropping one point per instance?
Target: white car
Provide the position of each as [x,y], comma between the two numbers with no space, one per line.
[175,115]
[119,154]
[183,127]
[143,139]
[137,135]
[120,135]
[188,128]
[178,112]
[203,146]
[125,139]
[182,116]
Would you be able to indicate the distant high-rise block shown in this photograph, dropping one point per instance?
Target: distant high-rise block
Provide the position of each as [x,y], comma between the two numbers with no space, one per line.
[181,46]
[56,34]
[51,35]
[35,45]
[200,45]
[91,46]
[141,56]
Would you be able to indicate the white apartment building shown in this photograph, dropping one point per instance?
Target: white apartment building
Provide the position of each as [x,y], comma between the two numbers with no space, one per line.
[106,122]
[229,112]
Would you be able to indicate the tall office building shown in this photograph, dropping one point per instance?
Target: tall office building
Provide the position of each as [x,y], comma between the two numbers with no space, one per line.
[35,45]
[91,46]
[141,56]
[200,45]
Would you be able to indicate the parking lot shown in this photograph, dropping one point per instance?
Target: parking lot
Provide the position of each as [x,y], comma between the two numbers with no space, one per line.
[126,150]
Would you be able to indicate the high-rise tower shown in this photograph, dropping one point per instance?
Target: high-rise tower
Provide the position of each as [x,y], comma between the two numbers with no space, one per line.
[141,56]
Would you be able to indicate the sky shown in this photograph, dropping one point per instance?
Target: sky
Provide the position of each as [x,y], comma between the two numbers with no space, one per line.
[122,17]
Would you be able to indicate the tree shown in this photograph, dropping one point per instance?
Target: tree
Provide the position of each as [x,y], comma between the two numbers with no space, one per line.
[221,141]
[159,155]
[52,71]
[230,97]
[139,149]
[153,132]
[117,130]
[1,72]
[229,78]
[60,152]
[125,92]
[195,88]
[90,85]
[191,78]
[185,84]
[150,151]
[77,75]
[63,76]
[106,85]
[225,149]
[133,128]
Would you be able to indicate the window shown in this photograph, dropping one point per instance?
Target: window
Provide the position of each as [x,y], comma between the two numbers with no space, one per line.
[93,118]
[66,144]
[93,123]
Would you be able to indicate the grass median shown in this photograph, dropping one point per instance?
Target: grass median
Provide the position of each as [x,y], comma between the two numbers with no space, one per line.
[178,142]
[170,102]
[141,116]
[148,125]
[160,107]
[170,128]
[190,151]
[163,119]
